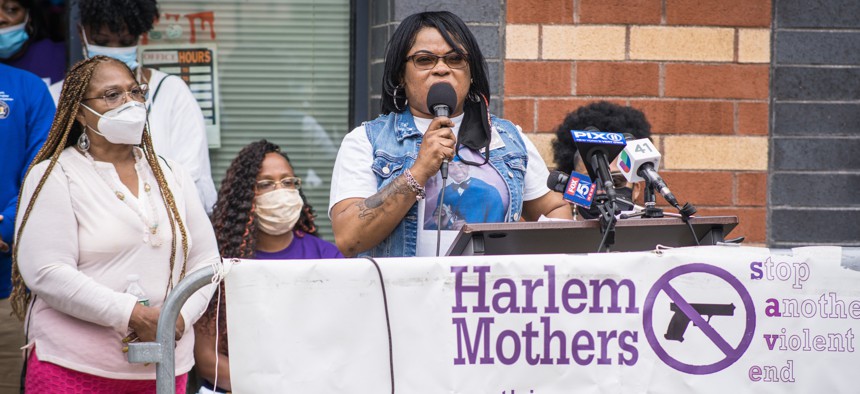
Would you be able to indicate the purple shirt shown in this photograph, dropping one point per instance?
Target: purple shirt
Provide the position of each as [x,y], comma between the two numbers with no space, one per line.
[306,247]
[45,58]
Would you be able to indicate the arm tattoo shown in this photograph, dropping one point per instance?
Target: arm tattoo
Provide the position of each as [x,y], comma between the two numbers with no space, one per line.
[373,206]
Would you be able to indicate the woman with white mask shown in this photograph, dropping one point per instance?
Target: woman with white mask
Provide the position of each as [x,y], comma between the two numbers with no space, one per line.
[261,213]
[115,28]
[106,228]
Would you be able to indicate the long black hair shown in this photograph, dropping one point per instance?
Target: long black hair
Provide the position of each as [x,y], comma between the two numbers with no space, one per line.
[455,33]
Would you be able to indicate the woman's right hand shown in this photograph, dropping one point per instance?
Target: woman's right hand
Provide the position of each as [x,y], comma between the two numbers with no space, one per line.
[144,322]
[438,144]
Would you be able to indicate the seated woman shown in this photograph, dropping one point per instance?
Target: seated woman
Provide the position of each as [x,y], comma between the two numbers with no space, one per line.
[100,211]
[386,167]
[261,213]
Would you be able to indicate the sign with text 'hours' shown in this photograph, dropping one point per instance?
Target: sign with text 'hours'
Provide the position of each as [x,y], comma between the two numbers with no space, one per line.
[197,66]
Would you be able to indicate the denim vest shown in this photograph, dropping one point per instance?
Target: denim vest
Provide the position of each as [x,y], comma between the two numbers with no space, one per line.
[396,140]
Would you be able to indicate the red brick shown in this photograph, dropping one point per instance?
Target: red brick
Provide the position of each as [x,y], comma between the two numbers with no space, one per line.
[687,117]
[546,11]
[537,78]
[717,81]
[752,222]
[552,112]
[521,112]
[752,189]
[735,13]
[635,12]
[617,79]
[753,118]
[700,188]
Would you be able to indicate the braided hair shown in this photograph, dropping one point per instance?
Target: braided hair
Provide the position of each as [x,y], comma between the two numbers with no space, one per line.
[65,131]
[235,220]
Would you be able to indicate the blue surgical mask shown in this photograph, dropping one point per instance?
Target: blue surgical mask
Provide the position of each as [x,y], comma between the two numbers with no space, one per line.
[127,55]
[12,38]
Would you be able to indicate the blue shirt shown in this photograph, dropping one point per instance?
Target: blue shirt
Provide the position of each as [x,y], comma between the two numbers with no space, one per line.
[26,113]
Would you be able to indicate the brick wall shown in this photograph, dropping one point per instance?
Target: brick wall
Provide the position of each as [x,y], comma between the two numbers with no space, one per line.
[815,171]
[698,69]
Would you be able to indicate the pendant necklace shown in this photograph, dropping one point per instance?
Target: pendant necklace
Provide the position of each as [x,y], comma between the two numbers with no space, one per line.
[149,219]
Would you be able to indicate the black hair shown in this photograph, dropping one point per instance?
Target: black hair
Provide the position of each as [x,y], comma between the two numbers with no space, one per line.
[603,115]
[455,33]
[137,15]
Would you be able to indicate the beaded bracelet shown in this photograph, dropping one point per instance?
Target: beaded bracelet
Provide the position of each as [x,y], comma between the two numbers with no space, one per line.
[414,185]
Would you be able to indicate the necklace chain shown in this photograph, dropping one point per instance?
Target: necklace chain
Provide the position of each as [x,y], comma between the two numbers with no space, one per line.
[150,221]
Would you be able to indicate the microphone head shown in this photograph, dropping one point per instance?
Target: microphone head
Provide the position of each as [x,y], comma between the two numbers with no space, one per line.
[441,97]
[635,155]
[590,141]
[557,181]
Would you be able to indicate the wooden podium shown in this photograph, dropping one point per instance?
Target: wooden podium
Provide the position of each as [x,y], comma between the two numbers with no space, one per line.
[634,234]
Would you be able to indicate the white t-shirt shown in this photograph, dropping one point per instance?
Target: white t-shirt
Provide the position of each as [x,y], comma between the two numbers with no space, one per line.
[353,177]
[178,131]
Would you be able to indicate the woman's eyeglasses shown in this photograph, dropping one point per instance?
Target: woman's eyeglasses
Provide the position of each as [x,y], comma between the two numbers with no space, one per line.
[113,97]
[426,61]
[289,183]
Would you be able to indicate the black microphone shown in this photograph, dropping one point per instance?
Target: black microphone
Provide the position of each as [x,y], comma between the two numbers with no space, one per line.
[557,181]
[639,162]
[597,150]
[441,100]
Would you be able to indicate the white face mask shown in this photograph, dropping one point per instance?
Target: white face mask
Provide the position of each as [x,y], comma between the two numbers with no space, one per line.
[278,210]
[123,124]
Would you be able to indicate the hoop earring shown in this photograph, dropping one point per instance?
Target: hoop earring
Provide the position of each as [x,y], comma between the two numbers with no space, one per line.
[394,100]
[84,142]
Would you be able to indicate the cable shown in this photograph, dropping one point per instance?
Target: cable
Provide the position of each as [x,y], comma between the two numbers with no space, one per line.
[387,321]
[439,213]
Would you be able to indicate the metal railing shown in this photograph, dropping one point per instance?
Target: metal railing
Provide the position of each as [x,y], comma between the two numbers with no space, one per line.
[162,351]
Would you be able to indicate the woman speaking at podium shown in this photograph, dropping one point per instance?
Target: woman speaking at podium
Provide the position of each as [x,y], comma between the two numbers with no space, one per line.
[386,185]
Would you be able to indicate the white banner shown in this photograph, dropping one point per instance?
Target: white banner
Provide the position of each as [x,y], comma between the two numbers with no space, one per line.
[705,320]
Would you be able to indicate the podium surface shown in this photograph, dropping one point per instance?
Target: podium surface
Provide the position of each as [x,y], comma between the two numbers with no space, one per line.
[583,236]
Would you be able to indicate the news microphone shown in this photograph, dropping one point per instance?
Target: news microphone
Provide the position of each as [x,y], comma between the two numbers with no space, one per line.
[597,150]
[639,162]
[441,100]
[557,181]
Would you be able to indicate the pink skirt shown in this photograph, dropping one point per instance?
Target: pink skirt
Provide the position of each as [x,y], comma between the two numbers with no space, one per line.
[44,377]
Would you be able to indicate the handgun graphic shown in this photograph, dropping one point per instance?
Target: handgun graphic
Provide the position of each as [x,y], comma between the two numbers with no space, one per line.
[680,321]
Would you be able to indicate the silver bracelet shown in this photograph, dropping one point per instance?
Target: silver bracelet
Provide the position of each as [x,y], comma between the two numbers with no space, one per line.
[414,185]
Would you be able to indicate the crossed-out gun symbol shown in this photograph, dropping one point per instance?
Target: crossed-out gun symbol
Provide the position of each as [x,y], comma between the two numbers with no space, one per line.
[680,321]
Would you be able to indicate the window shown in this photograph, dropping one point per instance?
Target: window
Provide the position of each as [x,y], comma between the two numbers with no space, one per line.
[284,75]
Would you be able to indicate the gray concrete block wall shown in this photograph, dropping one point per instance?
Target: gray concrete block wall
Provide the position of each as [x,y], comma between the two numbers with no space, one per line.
[484,17]
[814,180]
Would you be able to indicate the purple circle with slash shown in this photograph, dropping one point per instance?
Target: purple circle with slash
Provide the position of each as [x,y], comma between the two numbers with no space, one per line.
[732,354]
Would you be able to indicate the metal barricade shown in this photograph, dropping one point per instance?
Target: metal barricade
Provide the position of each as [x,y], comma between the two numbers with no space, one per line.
[162,351]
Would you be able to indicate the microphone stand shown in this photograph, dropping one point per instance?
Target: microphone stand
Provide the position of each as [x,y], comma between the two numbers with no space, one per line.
[650,198]
[605,201]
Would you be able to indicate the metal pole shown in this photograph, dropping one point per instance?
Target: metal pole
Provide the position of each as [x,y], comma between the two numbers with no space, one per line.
[162,351]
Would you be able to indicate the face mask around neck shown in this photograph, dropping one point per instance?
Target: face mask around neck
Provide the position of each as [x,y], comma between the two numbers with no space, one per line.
[123,124]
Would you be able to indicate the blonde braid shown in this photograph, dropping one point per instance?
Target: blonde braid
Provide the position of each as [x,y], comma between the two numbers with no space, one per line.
[74,87]
[172,211]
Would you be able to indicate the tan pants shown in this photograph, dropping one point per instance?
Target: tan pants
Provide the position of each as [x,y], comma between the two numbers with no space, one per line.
[11,340]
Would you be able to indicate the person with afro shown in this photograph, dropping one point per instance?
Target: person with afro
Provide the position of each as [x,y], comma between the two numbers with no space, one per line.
[607,117]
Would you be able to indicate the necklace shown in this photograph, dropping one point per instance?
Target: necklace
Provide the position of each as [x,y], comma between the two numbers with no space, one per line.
[149,219]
